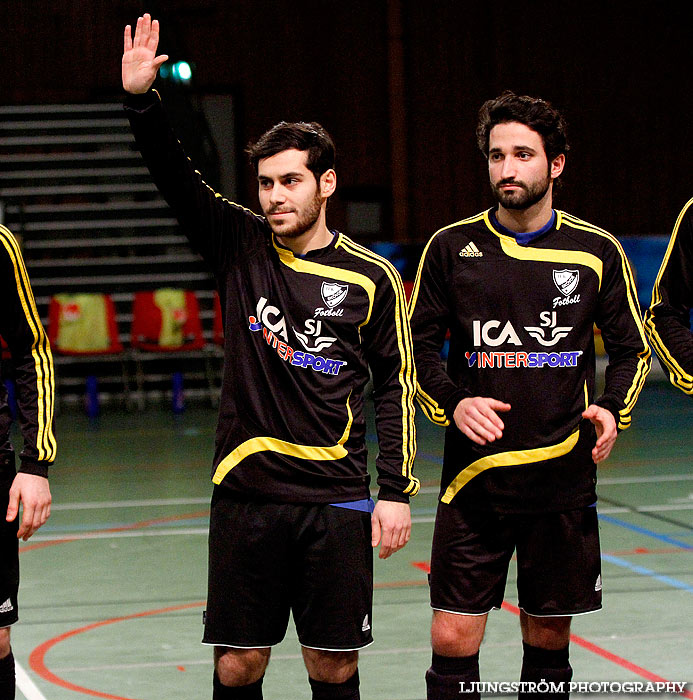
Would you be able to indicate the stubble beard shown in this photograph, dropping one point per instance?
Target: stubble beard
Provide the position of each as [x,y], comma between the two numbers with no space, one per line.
[306,219]
[525,198]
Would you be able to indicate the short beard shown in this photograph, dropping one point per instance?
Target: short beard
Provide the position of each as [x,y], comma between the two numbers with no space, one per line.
[527,197]
[305,221]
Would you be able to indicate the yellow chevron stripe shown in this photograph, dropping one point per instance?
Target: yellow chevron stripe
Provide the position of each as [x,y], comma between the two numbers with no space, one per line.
[555,255]
[508,459]
[270,444]
[319,270]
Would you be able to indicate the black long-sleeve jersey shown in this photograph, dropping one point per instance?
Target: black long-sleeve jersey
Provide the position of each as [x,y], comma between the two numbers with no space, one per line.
[301,333]
[667,321]
[521,330]
[21,329]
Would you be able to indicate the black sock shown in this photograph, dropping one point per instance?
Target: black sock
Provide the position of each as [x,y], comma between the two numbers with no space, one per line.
[239,692]
[550,668]
[349,690]
[7,682]
[450,678]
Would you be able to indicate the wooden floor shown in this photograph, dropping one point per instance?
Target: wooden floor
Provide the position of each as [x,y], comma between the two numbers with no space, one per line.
[113,586]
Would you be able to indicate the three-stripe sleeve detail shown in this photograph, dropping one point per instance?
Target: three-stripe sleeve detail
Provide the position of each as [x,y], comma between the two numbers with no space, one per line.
[677,374]
[407,373]
[40,351]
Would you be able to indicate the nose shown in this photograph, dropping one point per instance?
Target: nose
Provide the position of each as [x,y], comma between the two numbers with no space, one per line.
[508,169]
[277,194]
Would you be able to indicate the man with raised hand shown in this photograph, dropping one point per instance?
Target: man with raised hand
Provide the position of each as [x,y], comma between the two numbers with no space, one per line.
[306,313]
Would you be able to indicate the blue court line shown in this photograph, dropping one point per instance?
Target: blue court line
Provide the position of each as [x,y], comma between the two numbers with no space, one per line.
[645,531]
[648,572]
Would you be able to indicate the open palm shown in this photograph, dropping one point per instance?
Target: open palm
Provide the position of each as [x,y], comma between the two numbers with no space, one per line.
[140,62]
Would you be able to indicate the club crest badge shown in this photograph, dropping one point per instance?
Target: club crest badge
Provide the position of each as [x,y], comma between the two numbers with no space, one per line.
[333,294]
[566,281]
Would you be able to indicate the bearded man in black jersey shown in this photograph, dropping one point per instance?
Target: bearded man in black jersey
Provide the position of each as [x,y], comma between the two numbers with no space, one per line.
[520,287]
[307,312]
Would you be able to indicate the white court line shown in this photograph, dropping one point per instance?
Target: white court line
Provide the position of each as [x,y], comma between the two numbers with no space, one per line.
[95,505]
[370,651]
[644,479]
[26,685]
[115,535]
[172,532]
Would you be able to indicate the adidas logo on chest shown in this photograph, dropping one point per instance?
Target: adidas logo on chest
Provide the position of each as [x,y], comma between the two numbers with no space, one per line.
[471,251]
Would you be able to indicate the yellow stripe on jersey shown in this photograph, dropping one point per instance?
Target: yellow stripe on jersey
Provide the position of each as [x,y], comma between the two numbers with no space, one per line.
[677,374]
[407,373]
[568,257]
[432,410]
[320,270]
[40,351]
[417,281]
[644,356]
[508,459]
[291,449]
[430,407]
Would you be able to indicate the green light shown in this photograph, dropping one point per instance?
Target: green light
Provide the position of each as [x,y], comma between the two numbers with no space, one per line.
[178,72]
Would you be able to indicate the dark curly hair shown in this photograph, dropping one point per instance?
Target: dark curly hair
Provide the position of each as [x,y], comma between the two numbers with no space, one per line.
[539,115]
[303,136]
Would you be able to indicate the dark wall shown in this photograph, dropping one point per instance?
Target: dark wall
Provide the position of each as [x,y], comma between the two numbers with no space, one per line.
[622,76]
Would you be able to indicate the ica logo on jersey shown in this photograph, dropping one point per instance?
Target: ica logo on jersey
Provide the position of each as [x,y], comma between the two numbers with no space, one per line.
[494,333]
[271,321]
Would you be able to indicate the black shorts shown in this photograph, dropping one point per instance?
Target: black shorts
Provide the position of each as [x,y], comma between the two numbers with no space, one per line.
[558,561]
[9,554]
[266,559]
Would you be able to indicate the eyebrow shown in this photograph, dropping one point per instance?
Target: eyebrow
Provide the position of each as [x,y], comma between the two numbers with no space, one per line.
[514,148]
[281,177]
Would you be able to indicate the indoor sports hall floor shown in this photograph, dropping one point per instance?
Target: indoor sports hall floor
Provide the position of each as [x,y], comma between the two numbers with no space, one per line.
[113,586]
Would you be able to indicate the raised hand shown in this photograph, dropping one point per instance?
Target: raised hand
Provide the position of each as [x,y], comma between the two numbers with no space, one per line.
[140,62]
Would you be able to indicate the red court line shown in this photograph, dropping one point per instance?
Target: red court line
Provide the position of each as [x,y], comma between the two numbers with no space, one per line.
[122,528]
[609,656]
[37,657]
[618,660]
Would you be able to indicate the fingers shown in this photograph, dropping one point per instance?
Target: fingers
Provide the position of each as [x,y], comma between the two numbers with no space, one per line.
[393,538]
[13,506]
[32,519]
[603,446]
[602,450]
[153,40]
[146,33]
[127,39]
[375,531]
[478,420]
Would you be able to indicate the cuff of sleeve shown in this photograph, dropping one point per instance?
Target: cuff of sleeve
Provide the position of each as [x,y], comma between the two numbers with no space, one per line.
[141,102]
[610,406]
[35,468]
[387,493]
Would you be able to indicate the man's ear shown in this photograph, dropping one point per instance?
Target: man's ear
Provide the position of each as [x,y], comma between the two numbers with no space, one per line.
[557,165]
[328,183]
